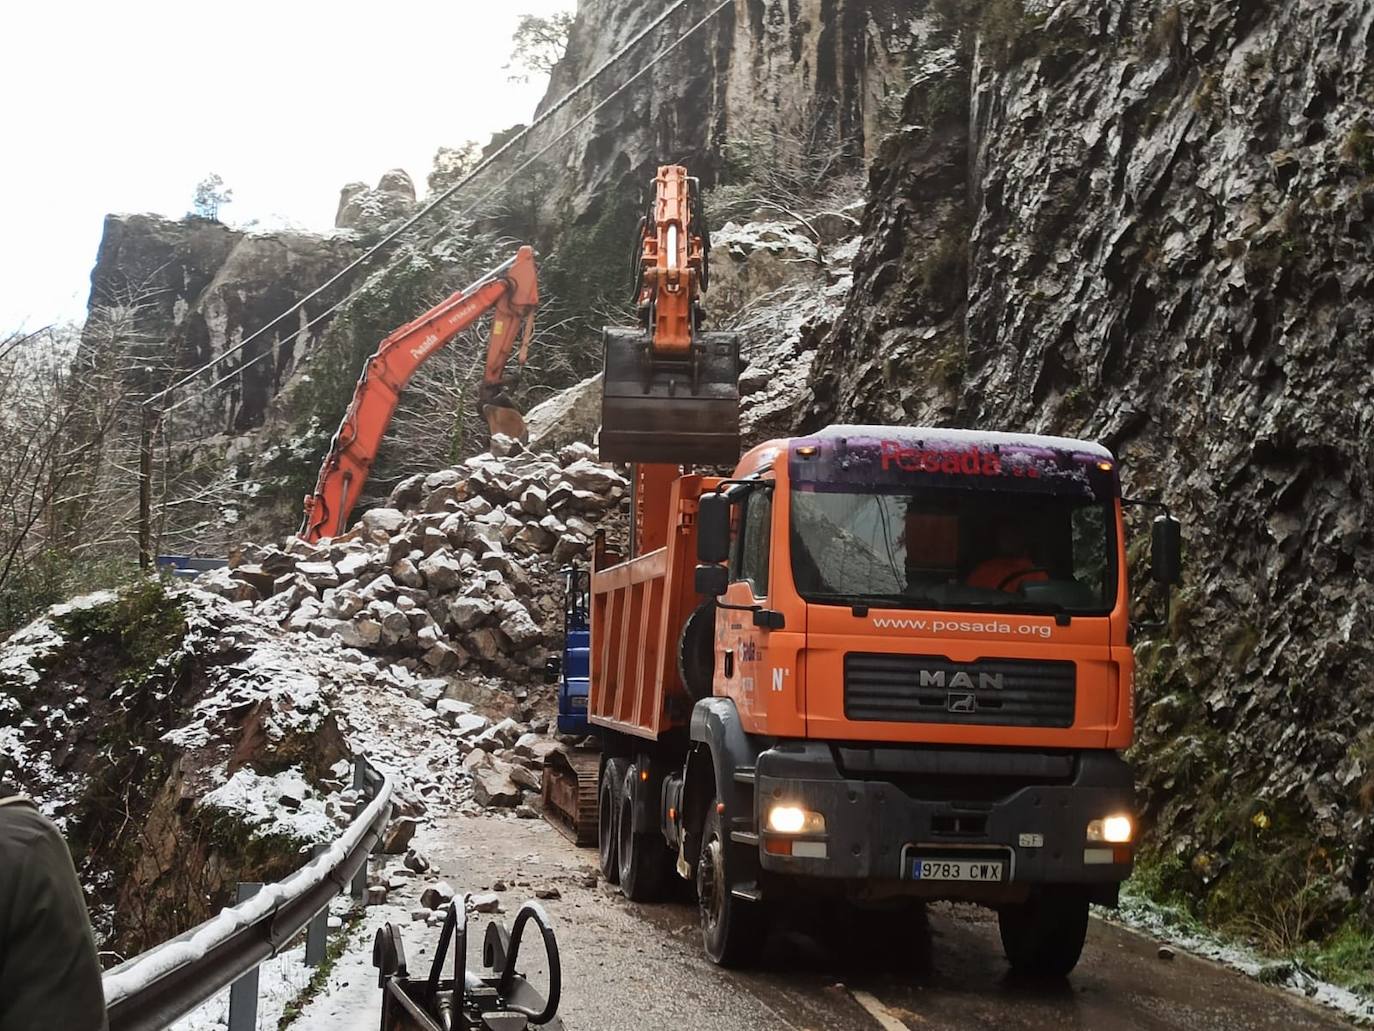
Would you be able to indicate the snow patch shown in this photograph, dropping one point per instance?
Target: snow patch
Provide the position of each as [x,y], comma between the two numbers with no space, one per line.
[284,804]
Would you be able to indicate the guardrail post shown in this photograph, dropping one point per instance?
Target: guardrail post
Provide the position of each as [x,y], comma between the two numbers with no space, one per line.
[317,934]
[243,993]
[359,887]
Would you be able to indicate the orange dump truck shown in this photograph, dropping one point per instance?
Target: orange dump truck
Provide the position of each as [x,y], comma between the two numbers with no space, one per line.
[876,664]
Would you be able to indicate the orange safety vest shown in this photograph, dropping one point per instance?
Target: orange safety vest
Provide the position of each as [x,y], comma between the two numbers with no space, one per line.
[992,573]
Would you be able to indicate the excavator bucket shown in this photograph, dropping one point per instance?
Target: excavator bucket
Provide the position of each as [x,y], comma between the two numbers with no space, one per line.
[683,412]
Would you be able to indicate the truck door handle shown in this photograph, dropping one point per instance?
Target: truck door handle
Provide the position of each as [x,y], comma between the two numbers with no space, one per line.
[730,663]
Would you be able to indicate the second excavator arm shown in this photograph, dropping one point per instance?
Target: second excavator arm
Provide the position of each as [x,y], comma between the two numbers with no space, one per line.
[510,292]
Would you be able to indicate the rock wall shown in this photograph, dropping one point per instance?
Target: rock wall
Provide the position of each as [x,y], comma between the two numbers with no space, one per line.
[191,289]
[1153,224]
[771,75]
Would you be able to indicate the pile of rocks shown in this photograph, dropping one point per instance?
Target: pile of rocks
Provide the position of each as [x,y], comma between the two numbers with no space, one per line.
[458,572]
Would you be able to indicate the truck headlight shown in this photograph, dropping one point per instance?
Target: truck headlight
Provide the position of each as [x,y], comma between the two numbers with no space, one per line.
[1116,829]
[793,819]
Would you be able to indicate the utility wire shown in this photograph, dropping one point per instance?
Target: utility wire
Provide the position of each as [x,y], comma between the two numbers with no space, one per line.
[465,213]
[481,167]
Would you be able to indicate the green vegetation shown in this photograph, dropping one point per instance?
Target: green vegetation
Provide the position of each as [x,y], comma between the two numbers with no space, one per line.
[1346,957]
[141,630]
[1357,148]
[1223,857]
[1166,32]
[1006,33]
[53,576]
[942,270]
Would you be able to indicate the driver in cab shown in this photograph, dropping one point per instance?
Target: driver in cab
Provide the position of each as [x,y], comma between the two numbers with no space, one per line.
[1010,565]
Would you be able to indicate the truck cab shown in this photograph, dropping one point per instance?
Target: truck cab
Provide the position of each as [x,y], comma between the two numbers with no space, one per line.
[916,683]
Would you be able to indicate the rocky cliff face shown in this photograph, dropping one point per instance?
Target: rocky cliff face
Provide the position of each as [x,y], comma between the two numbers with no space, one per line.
[765,75]
[1153,224]
[199,287]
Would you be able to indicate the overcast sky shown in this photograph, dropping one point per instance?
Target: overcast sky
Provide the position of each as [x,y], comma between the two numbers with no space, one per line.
[125,105]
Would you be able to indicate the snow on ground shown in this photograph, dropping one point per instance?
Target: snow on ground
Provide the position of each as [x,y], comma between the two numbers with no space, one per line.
[284,804]
[26,650]
[1165,925]
[280,980]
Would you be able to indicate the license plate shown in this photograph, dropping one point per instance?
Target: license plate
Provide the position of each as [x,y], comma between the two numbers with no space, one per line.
[920,868]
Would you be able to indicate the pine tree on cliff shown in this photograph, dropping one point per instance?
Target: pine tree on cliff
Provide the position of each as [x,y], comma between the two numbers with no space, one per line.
[210,195]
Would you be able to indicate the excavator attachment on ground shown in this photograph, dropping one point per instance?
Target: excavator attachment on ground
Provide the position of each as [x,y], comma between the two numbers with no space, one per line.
[670,392]
[455,998]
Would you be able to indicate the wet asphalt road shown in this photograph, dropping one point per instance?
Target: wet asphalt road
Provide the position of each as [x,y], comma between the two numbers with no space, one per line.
[629,967]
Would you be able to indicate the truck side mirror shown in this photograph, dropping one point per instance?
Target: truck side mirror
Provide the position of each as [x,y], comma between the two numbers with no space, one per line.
[553,670]
[711,580]
[1166,550]
[713,529]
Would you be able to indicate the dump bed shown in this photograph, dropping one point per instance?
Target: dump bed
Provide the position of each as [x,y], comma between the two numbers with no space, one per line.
[638,609]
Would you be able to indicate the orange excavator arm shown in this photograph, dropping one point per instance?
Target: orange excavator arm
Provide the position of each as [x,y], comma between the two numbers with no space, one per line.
[672,264]
[510,292]
[670,391]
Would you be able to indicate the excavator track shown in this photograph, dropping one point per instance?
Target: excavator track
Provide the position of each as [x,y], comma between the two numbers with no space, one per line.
[570,783]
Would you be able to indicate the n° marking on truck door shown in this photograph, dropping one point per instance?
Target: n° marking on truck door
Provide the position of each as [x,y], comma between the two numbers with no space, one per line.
[778,676]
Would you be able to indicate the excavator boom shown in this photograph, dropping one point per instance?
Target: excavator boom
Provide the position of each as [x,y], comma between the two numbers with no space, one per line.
[511,292]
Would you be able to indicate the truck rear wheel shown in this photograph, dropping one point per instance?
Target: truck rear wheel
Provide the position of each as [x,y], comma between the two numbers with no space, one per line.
[642,858]
[1043,936]
[607,817]
[731,928]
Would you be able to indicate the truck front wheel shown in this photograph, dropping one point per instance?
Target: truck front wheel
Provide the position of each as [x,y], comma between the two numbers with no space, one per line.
[607,817]
[1044,935]
[731,928]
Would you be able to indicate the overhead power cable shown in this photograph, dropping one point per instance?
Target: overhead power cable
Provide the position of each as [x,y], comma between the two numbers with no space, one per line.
[465,213]
[481,167]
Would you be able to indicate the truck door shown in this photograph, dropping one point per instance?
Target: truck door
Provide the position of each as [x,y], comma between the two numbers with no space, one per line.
[741,667]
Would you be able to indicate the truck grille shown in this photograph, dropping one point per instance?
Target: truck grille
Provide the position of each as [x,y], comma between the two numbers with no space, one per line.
[932,689]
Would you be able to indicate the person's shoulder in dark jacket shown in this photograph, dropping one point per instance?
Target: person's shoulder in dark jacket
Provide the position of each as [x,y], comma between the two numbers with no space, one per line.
[49,973]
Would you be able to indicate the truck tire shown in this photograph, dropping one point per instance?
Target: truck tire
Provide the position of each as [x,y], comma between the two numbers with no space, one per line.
[732,929]
[1043,936]
[642,858]
[607,817]
[696,651]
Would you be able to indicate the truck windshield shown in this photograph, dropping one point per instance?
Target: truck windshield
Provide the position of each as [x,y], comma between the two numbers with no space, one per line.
[954,549]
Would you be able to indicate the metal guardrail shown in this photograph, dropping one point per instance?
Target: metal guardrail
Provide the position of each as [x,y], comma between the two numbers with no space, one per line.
[155,988]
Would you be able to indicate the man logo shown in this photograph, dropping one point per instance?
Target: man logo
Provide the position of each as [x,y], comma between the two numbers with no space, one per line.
[961,703]
[961,679]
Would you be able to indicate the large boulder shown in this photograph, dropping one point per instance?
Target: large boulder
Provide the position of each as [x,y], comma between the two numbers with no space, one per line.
[585,475]
[442,571]
[494,784]
[569,416]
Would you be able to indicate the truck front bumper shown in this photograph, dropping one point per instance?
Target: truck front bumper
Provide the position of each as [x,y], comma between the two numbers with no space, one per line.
[873,827]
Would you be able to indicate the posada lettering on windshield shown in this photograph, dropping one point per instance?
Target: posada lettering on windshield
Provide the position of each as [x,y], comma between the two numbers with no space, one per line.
[972,461]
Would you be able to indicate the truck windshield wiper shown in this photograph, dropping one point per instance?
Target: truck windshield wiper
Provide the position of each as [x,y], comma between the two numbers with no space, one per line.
[906,601]
[1041,608]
